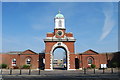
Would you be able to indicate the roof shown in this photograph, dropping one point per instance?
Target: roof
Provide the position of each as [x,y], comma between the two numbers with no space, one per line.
[90,52]
[28,52]
[59,15]
[22,52]
[13,52]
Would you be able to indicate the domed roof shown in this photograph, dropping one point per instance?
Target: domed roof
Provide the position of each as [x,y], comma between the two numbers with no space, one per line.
[59,15]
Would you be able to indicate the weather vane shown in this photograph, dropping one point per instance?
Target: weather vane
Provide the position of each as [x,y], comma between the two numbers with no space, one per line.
[59,11]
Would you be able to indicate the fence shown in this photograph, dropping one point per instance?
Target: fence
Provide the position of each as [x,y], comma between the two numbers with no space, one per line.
[101,71]
[41,72]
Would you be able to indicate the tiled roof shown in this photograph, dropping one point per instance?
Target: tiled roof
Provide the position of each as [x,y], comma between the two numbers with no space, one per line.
[89,52]
[18,52]
[13,52]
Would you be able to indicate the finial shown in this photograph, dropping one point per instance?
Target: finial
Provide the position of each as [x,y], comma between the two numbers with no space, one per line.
[59,11]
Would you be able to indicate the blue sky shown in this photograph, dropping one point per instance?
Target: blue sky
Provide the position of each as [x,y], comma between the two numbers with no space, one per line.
[94,25]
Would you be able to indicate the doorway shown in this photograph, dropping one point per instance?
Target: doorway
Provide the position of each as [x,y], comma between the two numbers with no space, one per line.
[76,63]
[59,59]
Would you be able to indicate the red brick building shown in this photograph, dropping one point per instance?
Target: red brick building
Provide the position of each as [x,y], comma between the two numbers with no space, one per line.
[18,59]
[80,61]
[59,38]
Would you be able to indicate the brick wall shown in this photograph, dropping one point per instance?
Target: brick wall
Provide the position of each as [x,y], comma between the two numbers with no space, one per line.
[21,59]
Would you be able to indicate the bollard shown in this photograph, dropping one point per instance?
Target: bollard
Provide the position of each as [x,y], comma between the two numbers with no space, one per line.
[103,70]
[1,71]
[11,71]
[29,71]
[84,71]
[39,71]
[111,70]
[20,71]
[118,71]
[94,71]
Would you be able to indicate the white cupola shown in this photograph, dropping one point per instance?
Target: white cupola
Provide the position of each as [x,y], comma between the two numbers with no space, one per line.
[59,21]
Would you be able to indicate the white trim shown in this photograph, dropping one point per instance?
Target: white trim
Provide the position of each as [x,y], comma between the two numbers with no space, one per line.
[51,61]
[51,52]
[49,37]
[71,69]
[70,37]
[48,69]
[54,37]
[80,68]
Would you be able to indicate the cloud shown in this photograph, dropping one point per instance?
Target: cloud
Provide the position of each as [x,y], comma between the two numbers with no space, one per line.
[108,23]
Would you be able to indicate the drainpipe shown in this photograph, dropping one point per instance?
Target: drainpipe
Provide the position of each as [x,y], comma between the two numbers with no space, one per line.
[81,61]
[39,61]
[19,61]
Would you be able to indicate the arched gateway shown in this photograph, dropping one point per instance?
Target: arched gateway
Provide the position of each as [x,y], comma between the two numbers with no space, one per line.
[59,39]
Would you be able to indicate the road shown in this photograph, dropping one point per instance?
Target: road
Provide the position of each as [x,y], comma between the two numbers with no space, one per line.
[60,75]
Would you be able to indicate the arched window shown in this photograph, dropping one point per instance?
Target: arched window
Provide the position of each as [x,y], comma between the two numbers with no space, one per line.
[60,23]
[28,61]
[90,61]
[14,62]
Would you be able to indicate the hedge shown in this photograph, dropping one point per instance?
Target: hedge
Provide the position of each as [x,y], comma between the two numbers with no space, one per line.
[3,65]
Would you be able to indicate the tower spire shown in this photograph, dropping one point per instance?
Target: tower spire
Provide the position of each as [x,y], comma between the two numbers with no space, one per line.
[59,21]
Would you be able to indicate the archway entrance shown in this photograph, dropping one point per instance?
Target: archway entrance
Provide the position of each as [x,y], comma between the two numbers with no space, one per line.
[59,59]
[65,48]
[59,39]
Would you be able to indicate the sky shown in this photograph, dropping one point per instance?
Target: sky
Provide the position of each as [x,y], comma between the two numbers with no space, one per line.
[0,26]
[94,25]
[60,0]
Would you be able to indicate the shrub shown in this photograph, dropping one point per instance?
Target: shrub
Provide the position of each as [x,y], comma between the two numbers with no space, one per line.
[26,66]
[3,66]
[93,66]
[114,64]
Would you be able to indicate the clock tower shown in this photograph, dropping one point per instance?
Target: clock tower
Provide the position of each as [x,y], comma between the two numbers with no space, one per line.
[59,39]
[59,29]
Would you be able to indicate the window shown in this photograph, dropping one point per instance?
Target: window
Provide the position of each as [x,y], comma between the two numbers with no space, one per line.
[13,62]
[28,61]
[90,61]
[60,23]
[59,43]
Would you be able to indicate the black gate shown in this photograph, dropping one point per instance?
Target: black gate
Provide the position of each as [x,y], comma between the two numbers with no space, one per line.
[76,63]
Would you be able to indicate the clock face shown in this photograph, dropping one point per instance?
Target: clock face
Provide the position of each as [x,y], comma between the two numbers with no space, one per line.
[59,33]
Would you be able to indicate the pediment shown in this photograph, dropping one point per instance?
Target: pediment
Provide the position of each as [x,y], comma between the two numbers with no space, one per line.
[90,52]
[29,52]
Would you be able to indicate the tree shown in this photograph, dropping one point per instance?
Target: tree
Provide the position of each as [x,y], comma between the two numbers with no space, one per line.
[93,66]
[115,64]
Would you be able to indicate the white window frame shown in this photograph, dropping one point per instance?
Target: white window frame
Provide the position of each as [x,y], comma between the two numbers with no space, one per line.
[28,59]
[14,62]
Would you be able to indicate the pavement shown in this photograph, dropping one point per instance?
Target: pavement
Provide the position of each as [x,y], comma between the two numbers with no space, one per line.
[81,77]
[60,75]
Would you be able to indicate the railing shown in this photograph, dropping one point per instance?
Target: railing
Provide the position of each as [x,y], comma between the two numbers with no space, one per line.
[101,71]
[19,72]
[42,72]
